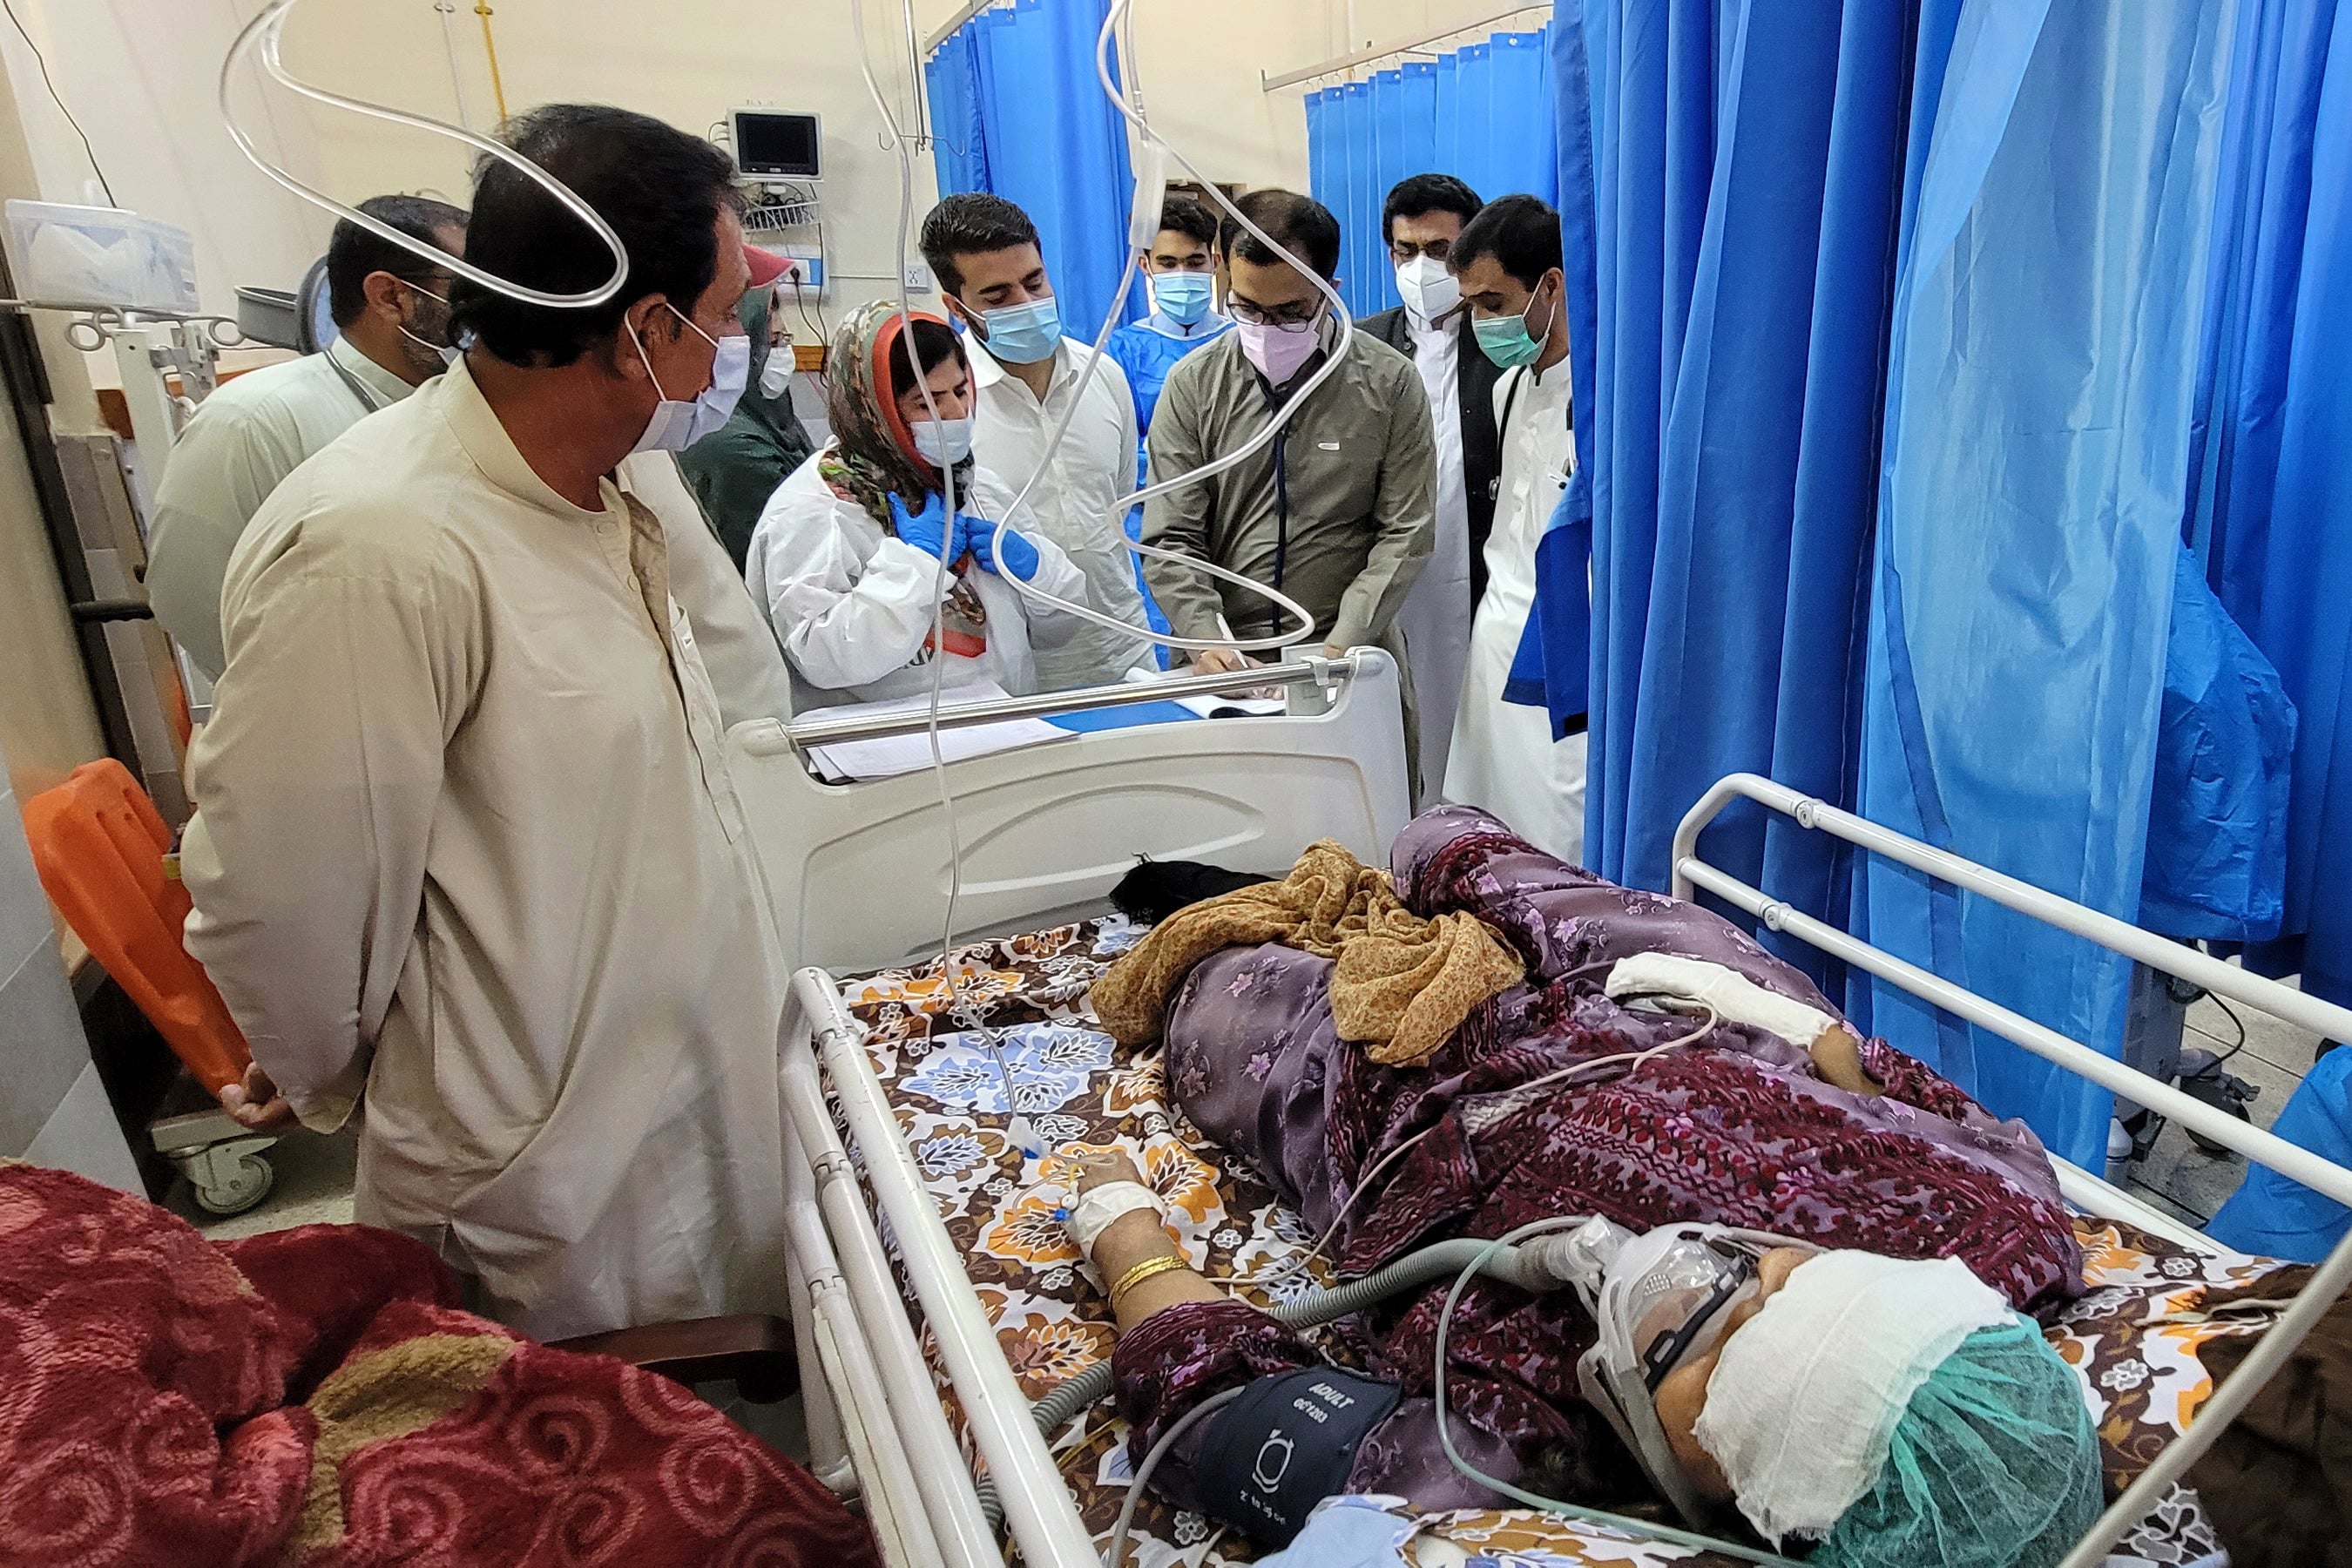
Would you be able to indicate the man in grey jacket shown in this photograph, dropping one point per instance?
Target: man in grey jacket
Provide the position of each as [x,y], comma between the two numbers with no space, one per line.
[1338,511]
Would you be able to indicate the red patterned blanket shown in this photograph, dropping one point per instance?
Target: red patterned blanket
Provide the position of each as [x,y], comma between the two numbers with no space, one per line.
[313,1398]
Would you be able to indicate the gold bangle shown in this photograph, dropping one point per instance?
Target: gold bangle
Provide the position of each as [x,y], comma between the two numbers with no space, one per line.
[1142,1271]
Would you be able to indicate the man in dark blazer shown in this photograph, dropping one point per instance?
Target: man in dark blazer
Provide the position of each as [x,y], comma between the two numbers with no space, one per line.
[1419,221]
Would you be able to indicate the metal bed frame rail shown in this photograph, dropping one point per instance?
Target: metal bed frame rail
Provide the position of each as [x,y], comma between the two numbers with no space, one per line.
[892,1443]
[2333,1274]
[1322,672]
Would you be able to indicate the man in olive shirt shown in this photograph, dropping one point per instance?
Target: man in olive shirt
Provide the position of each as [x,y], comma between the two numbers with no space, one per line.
[1339,512]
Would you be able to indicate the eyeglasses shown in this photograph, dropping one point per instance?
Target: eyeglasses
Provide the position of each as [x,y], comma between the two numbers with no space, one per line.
[1296,317]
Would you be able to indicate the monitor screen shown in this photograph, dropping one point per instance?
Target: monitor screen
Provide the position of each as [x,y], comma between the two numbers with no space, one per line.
[775,145]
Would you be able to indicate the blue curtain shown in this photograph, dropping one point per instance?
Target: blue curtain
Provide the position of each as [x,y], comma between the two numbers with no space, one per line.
[1731,178]
[1484,113]
[1017,111]
[1805,224]
[2272,511]
[959,140]
[1359,147]
[2026,581]
[2272,506]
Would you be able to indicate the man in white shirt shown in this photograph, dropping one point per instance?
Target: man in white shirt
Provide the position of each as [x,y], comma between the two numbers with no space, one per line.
[1420,222]
[391,308]
[466,840]
[1508,262]
[1026,374]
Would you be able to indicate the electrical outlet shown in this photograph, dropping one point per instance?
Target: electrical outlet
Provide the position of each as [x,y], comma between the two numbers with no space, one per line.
[919,279]
[803,268]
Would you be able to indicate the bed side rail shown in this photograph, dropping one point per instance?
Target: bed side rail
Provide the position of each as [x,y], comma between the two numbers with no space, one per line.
[1038,1506]
[2333,1274]
[2281,1001]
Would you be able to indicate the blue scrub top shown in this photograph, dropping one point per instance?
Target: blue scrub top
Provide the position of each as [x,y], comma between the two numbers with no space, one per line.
[1148,350]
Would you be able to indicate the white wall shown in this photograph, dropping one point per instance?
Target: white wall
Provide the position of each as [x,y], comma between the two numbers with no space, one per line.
[142,78]
[686,62]
[53,1110]
[140,74]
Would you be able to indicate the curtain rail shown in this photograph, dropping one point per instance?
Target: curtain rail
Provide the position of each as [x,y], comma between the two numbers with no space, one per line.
[1382,51]
[947,29]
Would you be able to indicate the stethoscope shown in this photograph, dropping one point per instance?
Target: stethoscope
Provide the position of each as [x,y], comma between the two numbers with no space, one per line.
[369,403]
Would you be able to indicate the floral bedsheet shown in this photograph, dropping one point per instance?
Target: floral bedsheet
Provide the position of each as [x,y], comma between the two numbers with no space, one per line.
[937,1050]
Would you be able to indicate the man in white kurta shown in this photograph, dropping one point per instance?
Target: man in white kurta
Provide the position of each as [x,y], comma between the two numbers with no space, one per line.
[1503,757]
[1077,500]
[392,314]
[1422,217]
[466,842]
[985,252]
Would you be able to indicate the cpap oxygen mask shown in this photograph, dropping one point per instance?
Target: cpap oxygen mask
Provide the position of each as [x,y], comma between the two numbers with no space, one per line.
[1661,1299]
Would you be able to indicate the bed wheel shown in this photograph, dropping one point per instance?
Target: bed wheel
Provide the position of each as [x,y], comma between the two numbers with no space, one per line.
[229,1179]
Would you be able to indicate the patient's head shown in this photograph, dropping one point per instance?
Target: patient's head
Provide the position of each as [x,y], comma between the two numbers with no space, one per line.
[1898,1412]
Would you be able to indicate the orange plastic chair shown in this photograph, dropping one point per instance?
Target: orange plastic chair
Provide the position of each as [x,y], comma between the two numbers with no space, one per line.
[99,845]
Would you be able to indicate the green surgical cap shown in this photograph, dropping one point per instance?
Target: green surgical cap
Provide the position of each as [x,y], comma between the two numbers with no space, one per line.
[1994,1465]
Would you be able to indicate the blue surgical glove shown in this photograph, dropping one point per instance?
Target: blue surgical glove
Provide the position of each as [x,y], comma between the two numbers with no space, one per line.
[1018,557]
[928,530]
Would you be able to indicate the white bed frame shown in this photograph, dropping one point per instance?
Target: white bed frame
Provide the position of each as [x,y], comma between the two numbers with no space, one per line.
[1047,832]
[858,872]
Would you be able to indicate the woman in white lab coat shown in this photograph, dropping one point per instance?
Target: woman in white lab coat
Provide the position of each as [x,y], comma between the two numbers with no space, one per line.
[849,552]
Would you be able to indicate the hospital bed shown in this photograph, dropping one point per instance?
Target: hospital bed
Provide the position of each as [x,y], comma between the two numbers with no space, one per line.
[916,1388]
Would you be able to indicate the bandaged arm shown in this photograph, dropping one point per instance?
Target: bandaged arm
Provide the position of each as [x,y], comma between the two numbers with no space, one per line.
[1835,1048]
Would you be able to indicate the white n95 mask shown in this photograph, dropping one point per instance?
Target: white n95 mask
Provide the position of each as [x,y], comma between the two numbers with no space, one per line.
[1429,289]
[943,442]
[776,375]
[675,426]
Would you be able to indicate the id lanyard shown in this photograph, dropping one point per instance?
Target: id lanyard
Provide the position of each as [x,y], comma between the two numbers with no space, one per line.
[1281,500]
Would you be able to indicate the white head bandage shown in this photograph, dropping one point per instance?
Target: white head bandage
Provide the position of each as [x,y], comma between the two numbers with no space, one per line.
[1802,1408]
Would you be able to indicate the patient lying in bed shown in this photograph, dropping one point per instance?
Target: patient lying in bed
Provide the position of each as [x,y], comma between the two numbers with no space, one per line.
[1857,1152]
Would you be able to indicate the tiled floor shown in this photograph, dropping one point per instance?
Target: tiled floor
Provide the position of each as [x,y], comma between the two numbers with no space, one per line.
[2184,1180]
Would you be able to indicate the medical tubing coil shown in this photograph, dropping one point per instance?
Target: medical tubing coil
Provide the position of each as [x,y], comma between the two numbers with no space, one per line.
[1438,1260]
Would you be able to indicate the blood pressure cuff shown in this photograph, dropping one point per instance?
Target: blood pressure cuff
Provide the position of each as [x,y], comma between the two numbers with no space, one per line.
[1286,1445]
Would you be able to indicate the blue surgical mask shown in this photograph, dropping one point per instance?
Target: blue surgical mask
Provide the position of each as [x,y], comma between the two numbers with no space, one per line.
[1024,334]
[1507,340]
[675,426]
[1181,297]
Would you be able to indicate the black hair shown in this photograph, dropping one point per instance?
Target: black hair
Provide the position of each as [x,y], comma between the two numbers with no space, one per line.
[1417,196]
[1300,225]
[1521,232]
[353,253]
[660,189]
[1189,218]
[934,343]
[971,223]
